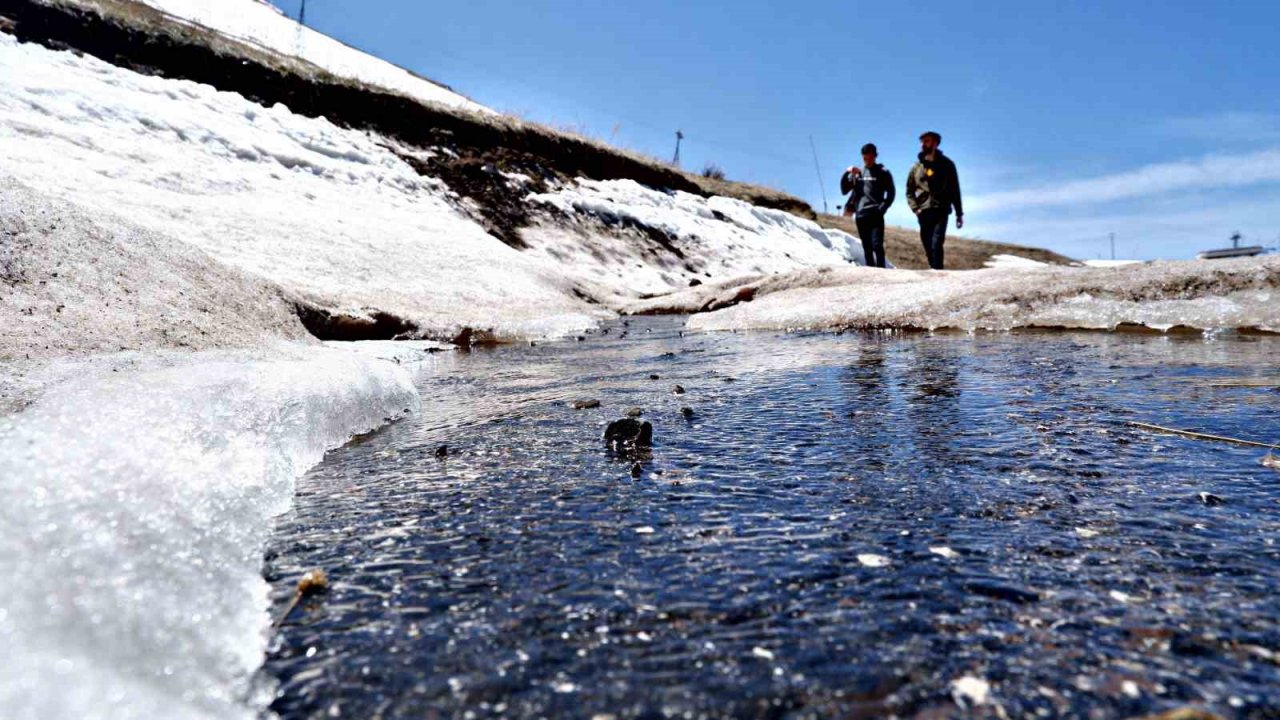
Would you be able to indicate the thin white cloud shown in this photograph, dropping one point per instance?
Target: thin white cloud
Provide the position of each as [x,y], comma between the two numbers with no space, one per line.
[1225,128]
[1189,176]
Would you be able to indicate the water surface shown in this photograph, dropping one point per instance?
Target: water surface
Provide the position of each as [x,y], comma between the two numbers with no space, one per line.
[846,526]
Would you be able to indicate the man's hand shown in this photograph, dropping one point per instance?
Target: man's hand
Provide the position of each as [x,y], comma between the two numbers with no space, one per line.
[854,171]
[959,222]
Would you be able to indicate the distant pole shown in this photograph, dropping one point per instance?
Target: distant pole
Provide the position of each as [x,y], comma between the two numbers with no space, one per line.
[302,13]
[1113,246]
[676,160]
[826,209]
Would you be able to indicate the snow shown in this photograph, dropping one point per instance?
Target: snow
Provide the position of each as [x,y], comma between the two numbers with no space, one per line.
[1159,295]
[1110,263]
[714,237]
[1012,261]
[136,510]
[329,214]
[264,25]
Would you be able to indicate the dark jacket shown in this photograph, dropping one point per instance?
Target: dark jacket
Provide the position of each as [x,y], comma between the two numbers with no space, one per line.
[934,185]
[873,193]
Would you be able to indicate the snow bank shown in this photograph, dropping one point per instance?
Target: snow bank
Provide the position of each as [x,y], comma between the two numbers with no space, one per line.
[74,284]
[264,25]
[329,214]
[136,510]
[1161,295]
[690,238]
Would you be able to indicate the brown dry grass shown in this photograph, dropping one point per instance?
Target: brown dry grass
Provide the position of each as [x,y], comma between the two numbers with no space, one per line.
[902,247]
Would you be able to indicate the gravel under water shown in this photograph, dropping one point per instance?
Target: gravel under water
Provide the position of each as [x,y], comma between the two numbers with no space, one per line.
[850,525]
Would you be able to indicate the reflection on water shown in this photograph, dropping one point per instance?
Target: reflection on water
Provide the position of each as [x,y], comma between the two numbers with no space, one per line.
[1032,540]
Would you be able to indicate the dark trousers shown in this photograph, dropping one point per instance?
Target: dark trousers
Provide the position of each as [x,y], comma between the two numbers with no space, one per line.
[871,230]
[933,235]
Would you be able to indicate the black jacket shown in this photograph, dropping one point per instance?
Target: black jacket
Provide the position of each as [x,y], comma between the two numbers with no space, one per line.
[934,185]
[873,193]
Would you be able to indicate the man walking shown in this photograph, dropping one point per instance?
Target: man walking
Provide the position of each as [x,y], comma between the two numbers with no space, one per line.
[933,189]
[873,194]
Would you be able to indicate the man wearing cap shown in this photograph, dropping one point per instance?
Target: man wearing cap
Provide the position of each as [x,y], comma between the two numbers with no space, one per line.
[873,194]
[933,189]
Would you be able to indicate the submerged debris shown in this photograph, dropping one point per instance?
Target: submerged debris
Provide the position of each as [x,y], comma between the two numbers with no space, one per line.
[313,583]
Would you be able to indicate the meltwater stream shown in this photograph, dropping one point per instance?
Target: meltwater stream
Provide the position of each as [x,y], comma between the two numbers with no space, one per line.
[849,525]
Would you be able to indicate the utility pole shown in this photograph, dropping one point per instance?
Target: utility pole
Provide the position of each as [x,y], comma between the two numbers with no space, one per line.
[826,209]
[1113,246]
[302,13]
[676,160]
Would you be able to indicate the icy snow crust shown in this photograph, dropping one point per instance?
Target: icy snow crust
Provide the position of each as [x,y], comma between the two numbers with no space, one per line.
[329,214]
[718,237]
[1161,295]
[262,24]
[136,510]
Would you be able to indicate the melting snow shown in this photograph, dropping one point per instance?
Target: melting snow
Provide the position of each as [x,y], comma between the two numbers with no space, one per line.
[327,213]
[136,510]
[264,25]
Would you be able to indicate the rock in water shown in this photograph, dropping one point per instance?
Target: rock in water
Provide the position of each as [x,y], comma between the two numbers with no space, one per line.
[687,412]
[442,452]
[1211,500]
[587,404]
[629,434]
[637,470]
[635,412]
[679,390]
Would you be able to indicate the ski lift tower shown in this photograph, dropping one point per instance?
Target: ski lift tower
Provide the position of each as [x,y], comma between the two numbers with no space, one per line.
[679,136]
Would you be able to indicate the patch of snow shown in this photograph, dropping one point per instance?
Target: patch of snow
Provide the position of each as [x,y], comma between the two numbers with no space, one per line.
[396,351]
[137,506]
[1110,263]
[1159,295]
[329,214]
[705,238]
[264,25]
[944,552]
[1012,261]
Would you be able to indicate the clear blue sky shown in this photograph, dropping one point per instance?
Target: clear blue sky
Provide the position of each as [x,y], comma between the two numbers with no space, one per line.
[1159,121]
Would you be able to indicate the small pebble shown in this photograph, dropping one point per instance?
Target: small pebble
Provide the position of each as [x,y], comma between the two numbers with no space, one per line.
[687,412]
[636,470]
[442,452]
[655,377]
[679,390]
[634,412]
[586,404]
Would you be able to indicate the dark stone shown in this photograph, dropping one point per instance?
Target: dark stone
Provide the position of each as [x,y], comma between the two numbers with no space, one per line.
[678,390]
[695,282]
[442,452]
[634,412]
[588,404]
[687,412]
[636,470]
[1002,592]
[629,434]
[655,377]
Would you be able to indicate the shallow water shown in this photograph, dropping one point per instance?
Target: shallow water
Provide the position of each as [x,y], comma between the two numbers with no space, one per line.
[846,527]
